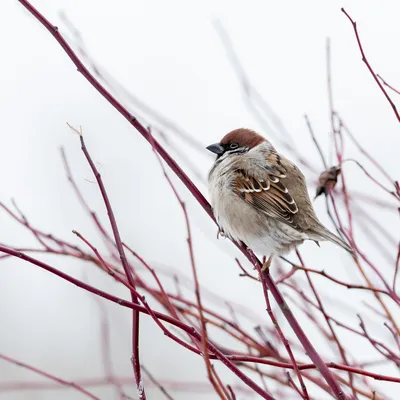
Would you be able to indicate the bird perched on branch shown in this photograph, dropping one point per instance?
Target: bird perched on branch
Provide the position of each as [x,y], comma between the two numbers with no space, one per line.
[259,197]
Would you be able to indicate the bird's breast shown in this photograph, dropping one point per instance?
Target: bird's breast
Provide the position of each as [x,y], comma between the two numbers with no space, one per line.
[242,222]
[238,219]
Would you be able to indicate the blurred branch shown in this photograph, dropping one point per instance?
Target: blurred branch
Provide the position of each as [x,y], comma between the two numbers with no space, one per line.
[60,381]
[258,355]
[157,383]
[128,273]
[315,357]
[185,327]
[366,62]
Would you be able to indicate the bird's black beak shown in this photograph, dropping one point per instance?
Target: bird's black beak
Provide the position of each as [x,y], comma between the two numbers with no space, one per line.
[216,148]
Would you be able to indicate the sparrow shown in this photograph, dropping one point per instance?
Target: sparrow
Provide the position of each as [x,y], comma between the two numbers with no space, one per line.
[260,198]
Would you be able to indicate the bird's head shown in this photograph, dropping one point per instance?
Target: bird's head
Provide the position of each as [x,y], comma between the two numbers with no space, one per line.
[239,141]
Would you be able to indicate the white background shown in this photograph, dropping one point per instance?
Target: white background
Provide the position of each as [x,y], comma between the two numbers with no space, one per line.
[169,55]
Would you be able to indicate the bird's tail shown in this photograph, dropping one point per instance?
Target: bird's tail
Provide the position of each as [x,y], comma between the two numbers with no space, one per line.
[328,235]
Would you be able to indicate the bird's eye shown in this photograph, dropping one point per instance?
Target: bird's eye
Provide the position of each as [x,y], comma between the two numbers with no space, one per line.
[233,146]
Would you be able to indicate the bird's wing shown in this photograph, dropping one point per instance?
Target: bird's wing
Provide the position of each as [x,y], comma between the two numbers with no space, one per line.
[264,188]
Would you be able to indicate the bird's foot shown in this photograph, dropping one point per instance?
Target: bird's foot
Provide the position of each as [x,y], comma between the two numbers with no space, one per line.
[266,264]
[221,233]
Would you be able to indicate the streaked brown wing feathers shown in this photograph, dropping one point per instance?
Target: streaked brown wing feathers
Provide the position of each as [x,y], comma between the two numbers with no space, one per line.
[269,195]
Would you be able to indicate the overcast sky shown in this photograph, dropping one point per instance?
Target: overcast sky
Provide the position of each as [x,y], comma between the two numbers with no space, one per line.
[170,56]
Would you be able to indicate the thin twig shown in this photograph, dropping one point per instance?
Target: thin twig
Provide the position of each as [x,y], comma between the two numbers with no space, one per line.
[366,62]
[118,242]
[157,383]
[388,85]
[288,348]
[187,328]
[50,376]
[317,145]
[396,269]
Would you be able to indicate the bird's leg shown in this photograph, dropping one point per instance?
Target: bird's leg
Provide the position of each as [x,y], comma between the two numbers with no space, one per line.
[267,264]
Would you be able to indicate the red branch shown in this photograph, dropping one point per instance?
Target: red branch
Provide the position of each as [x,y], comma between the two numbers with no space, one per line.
[227,359]
[211,373]
[285,342]
[267,280]
[364,59]
[388,85]
[128,273]
[50,376]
